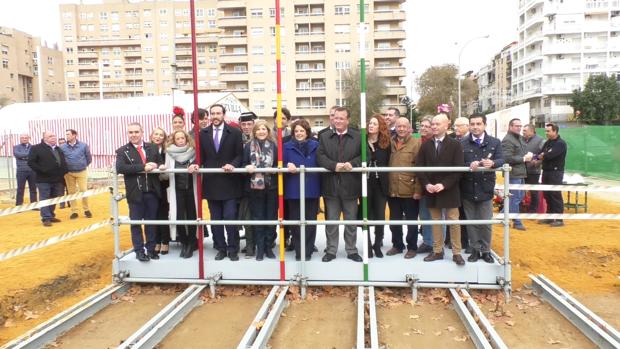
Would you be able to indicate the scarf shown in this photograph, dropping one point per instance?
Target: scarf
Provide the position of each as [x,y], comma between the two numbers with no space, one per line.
[261,156]
[302,146]
[182,155]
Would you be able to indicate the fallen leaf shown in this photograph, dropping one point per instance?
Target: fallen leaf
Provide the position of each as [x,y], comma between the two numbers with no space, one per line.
[414,316]
[510,323]
[28,315]
[553,341]
[260,324]
[438,333]
[460,339]
[406,334]
[450,329]
[416,331]
[386,326]
[9,323]
[534,303]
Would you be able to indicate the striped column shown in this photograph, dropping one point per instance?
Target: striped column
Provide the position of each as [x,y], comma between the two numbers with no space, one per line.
[279,126]
[362,50]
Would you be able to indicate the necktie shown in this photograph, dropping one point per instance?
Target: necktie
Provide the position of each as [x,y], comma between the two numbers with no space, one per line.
[437,147]
[216,140]
[141,152]
[478,141]
[56,155]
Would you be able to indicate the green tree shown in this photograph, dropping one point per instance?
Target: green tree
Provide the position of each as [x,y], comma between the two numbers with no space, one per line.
[599,101]
[375,87]
[438,85]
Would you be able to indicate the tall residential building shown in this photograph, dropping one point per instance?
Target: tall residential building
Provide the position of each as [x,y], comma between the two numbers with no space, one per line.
[494,82]
[562,43]
[119,49]
[30,71]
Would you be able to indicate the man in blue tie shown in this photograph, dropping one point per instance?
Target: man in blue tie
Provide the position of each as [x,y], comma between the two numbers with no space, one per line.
[221,146]
[480,150]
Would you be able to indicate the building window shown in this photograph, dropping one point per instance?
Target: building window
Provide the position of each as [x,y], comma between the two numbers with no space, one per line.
[50,60]
[211,12]
[258,87]
[116,28]
[67,27]
[211,24]
[200,12]
[163,11]
[256,31]
[341,10]
[342,28]
[259,105]
[257,68]
[103,16]
[114,15]
[257,50]
[5,63]
[5,50]
[103,28]
[256,12]
[318,123]
[147,12]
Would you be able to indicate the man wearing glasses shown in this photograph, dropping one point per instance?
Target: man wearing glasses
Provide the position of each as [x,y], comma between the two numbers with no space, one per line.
[515,154]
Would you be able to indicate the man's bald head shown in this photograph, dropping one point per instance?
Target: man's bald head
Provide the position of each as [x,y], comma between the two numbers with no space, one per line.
[439,125]
[403,127]
[49,138]
[461,126]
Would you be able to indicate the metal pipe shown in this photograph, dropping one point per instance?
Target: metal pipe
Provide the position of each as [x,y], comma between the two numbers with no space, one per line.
[507,271]
[360,330]
[298,222]
[323,170]
[115,223]
[302,218]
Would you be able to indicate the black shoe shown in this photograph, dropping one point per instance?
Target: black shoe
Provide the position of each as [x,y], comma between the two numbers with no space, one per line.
[244,250]
[370,254]
[355,257]
[474,257]
[424,248]
[142,257]
[329,257]
[298,258]
[249,252]
[189,252]
[486,256]
[73,216]
[308,257]
[220,255]
[556,224]
[88,214]
[269,254]
[314,249]
[165,248]
[290,247]
[469,250]
[378,252]
[183,250]
[153,255]
[233,256]
[259,257]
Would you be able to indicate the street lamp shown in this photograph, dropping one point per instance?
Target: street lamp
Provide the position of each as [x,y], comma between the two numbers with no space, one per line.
[459,67]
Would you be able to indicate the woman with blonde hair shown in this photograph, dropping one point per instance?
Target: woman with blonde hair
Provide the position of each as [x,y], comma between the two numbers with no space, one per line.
[261,152]
[181,153]
[162,239]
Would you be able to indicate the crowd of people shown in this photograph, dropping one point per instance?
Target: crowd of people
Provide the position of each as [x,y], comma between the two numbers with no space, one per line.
[251,144]
[52,168]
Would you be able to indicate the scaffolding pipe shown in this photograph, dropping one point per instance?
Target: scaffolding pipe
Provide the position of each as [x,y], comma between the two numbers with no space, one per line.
[299,222]
[506,258]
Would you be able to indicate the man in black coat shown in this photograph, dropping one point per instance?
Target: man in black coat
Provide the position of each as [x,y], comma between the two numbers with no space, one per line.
[339,151]
[442,188]
[135,160]
[48,162]
[553,157]
[221,146]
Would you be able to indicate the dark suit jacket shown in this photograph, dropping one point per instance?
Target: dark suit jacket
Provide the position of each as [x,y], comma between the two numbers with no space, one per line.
[221,186]
[42,161]
[346,185]
[451,154]
[129,163]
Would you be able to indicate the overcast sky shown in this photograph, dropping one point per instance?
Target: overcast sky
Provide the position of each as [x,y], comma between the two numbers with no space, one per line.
[436,29]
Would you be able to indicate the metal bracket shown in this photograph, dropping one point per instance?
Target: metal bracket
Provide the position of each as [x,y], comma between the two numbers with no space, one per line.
[412,280]
[213,279]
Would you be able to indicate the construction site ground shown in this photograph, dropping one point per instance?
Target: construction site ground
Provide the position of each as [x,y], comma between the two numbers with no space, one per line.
[583,258]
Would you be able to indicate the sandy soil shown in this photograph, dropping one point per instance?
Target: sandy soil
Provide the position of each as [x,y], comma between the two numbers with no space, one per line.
[324,322]
[111,326]
[215,325]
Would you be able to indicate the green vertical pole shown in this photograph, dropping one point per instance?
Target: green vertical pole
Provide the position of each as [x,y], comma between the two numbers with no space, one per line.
[362,50]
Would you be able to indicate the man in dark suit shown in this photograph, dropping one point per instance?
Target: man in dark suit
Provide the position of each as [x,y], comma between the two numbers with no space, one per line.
[221,146]
[442,188]
[339,152]
[135,160]
[48,162]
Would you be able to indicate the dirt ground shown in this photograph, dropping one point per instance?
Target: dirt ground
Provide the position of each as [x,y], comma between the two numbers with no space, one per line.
[583,257]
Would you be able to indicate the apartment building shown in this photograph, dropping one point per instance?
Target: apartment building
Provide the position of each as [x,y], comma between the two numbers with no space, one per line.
[30,71]
[561,43]
[494,82]
[118,49]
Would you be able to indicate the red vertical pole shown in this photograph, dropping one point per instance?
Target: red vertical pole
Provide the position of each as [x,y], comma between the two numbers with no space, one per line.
[199,231]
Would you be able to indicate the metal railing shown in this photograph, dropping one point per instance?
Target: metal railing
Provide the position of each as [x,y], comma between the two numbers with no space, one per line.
[503,282]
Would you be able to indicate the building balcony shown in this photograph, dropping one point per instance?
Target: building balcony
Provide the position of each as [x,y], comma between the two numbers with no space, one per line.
[88,89]
[132,53]
[87,54]
[310,92]
[306,112]
[310,73]
[233,58]
[184,63]
[184,74]
[112,42]
[390,71]
[559,89]
[200,38]
[89,65]
[395,90]
[309,55]
[389,15]
[232,21]
[88,77]
[394,34]
[183,52]
[389,53]
[559,68]
[234,75]
[562,48]
[227,4]
[231,40]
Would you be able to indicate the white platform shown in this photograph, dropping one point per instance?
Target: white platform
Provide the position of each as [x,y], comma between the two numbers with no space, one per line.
[392,268]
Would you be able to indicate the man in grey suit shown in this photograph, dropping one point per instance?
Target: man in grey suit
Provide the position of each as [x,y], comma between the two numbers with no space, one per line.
[339,151]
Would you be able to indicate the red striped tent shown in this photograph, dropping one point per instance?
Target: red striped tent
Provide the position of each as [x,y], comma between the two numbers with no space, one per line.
[101,123]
